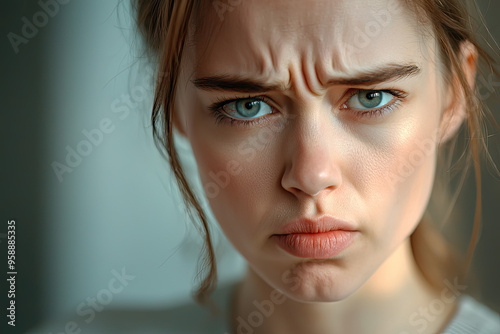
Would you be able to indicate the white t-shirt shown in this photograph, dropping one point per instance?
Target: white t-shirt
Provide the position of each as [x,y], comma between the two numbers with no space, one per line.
[471,318]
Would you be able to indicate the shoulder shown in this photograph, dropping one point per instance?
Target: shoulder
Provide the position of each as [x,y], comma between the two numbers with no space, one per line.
[473,317]
[185,318]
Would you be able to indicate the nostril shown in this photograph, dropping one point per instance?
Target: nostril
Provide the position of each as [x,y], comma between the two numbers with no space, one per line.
[311,179]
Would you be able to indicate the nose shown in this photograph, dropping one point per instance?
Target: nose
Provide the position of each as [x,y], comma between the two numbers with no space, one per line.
[312,156]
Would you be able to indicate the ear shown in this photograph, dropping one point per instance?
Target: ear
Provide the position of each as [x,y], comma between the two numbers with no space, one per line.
[455,111]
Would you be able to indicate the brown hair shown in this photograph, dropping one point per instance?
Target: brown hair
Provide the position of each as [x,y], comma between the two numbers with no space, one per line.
[164,26]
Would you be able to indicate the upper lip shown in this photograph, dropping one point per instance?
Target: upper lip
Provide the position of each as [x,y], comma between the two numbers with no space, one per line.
[316,225]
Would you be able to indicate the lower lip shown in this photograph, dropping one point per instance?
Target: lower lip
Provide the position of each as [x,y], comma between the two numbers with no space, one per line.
[315,245]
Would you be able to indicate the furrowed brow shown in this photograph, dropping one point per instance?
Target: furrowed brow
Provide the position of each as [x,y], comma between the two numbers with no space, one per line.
[390,72]
[237,83]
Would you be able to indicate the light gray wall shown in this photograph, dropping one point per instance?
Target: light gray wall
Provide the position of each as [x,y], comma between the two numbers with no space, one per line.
[118,208]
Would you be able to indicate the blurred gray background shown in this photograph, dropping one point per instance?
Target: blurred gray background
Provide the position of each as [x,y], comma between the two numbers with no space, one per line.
[117,209]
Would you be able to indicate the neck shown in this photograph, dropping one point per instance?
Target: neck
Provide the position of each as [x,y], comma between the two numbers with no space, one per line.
[405,293]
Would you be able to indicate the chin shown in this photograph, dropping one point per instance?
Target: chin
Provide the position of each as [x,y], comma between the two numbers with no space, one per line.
[319,282]
[320,293]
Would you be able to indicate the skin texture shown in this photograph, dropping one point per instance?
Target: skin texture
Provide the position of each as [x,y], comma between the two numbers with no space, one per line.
[316,154]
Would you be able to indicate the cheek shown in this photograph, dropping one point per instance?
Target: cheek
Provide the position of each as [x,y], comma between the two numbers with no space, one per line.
[237,173]
[396,178]
[237,170]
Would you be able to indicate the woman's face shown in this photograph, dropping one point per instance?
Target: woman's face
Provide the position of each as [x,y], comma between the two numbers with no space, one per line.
[334,108]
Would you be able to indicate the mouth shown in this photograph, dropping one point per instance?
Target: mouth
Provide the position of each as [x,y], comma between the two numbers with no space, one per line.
[320,238]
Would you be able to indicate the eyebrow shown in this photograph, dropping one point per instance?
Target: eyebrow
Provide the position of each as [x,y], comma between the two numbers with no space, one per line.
[237,83]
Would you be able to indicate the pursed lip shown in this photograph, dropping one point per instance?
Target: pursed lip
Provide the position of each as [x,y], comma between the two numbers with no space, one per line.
[320,238]
[321,224]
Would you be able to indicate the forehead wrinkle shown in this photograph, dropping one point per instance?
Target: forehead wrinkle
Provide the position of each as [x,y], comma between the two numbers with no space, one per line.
[309,72]
[258,47]
[341,55]
[272,48]
[327,62]
[318,62]
[254,52]
[323,53]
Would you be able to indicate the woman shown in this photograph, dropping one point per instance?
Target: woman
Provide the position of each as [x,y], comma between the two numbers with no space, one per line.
[319,130]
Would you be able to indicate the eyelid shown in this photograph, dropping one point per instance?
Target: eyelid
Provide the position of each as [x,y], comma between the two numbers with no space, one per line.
[399,97]
[220,115]
[399,94]
[221,102]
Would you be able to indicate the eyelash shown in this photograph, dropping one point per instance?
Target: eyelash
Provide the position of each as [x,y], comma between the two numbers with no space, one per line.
[398,95]
[219,116]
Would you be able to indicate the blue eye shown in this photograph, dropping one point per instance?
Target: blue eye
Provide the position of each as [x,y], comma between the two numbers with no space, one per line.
[370,99]
[247,108]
